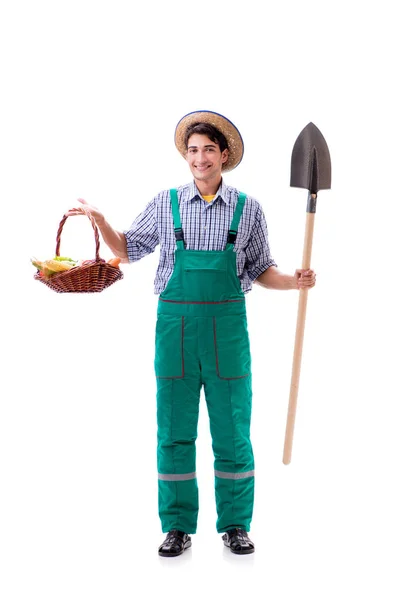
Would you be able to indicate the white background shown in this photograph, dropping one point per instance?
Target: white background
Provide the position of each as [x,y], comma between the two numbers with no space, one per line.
[90,96]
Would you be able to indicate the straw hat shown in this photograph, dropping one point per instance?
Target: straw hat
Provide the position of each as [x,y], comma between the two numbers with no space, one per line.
[231,133]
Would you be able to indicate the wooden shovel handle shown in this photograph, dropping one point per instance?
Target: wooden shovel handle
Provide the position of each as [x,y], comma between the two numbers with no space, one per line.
[298,345]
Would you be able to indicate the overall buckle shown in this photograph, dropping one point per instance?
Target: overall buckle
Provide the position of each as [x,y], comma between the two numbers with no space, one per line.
[178,234]
[232,236]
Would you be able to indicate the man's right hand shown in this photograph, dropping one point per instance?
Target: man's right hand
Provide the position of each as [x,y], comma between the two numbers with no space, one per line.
[88,209]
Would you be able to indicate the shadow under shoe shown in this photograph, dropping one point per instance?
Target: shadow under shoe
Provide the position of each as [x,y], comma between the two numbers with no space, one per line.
[175,543]
[238,541]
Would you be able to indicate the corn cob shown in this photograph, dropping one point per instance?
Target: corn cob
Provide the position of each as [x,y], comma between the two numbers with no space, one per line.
[58,265]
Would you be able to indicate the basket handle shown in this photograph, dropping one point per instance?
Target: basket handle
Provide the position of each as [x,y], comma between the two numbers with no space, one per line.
[78,211]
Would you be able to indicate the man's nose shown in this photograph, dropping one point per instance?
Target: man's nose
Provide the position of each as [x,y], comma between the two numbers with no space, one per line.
[201,156]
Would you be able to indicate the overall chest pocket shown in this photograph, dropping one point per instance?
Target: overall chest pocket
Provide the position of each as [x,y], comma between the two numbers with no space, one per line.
[205,278]
[232,347]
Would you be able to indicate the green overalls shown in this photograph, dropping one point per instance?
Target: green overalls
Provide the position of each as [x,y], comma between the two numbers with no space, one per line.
[202,339]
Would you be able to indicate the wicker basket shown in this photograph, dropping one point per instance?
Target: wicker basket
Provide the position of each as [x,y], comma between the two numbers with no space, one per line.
[93,277]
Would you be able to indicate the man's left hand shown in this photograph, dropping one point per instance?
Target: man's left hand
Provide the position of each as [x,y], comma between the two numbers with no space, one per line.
[305,278]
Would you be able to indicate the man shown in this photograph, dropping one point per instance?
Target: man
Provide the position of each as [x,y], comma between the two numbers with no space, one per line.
[213,246]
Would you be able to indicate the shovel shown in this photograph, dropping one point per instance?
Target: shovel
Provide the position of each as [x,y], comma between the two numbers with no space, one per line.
[310,169]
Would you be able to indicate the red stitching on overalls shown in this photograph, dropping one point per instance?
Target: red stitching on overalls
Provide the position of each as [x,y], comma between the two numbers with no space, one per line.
[183,302]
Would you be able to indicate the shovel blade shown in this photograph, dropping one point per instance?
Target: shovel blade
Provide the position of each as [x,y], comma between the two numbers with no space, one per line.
[311,161]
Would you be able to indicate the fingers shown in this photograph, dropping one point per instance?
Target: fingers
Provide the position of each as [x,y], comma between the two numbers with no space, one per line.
[307,278]
[74,211]
[88,208]
[77,211]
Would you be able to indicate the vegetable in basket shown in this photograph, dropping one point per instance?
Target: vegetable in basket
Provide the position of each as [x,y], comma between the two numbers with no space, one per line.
[58,264]
[47,268]
[114,262]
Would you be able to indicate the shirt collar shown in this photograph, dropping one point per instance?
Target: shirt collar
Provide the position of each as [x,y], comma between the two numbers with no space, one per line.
[222,192]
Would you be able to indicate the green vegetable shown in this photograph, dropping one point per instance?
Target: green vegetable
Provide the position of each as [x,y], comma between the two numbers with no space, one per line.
[65,258]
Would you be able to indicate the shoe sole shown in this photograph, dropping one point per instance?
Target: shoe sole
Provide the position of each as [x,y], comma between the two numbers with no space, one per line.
[250,551]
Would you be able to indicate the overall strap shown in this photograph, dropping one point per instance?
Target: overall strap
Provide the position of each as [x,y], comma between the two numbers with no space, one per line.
[232,233]
[180,243]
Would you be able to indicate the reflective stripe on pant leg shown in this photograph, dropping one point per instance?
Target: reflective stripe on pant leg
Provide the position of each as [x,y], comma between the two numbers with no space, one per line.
[174,477]
[227,475]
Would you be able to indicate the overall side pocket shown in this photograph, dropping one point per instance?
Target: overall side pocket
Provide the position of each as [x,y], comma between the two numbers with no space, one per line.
[169,358]
[232,347]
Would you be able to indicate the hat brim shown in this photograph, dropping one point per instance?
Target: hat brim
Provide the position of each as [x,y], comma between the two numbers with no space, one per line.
[230,131]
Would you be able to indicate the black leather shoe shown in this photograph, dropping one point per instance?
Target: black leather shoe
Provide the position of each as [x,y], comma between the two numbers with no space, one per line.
[238,541]
[175,543]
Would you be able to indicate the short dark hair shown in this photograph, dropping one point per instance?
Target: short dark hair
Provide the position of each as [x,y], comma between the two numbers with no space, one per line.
[210,131]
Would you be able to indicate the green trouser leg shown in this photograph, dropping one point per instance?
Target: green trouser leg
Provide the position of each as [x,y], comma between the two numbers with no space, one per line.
[228,408]
[228,392]
[178,396]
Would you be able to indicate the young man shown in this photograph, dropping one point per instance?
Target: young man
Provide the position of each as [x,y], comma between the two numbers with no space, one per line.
[213,246]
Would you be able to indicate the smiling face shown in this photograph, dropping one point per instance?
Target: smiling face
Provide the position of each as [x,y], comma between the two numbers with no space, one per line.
[205,159]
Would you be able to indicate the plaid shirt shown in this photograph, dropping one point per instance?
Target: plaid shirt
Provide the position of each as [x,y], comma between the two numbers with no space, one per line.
[205,227]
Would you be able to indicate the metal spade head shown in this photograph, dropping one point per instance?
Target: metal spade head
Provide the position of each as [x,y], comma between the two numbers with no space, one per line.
[311,161]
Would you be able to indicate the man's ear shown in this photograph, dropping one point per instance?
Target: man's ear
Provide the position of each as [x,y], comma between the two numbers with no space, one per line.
[225,155]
